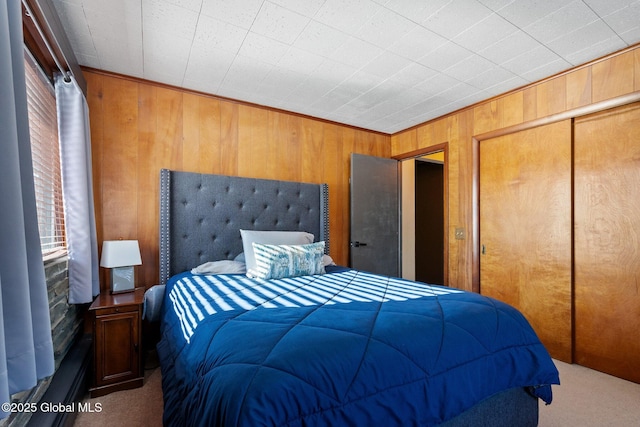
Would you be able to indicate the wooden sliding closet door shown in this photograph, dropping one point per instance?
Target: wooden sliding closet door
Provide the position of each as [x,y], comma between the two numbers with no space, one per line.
[607,242]
[525,228]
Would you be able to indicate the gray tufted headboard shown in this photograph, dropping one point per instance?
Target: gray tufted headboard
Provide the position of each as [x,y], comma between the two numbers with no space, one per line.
[201,215]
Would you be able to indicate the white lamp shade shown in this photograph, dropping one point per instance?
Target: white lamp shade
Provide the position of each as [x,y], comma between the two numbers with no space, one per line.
[120,253]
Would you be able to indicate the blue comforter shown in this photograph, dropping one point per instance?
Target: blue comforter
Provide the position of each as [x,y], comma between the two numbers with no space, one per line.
[343,348]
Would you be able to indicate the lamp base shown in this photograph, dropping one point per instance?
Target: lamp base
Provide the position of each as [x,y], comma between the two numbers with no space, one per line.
[122,280]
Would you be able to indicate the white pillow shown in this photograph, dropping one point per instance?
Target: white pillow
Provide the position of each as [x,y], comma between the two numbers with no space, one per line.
[220,267]
[327,260]
[270,238]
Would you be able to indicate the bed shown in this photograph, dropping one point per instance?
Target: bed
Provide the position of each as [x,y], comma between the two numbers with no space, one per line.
[337,347]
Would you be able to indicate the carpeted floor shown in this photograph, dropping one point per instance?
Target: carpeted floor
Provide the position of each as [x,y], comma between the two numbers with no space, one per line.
[129,408]
[590,398]
[585,398]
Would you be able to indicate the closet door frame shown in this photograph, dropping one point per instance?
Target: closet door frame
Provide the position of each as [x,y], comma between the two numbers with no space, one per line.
[526,229]
[477,139]
[606,224]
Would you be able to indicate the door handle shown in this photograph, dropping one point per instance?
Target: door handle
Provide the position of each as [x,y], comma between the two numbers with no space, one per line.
[357,244]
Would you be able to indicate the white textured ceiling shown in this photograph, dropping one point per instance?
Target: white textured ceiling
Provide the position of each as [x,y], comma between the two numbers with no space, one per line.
[383,65]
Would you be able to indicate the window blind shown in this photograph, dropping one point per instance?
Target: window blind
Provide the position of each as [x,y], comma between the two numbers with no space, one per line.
[43,129]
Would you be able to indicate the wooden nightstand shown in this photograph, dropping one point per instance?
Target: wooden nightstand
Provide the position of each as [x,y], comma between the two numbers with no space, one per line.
[117,353]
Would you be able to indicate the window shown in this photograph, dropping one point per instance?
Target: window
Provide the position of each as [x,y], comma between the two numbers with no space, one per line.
[45,151]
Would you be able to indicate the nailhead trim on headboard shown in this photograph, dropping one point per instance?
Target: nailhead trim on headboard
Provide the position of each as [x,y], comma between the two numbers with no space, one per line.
[324,216]
[165,244]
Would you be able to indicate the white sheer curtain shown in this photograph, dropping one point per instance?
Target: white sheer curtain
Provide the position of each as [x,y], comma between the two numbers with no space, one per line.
[26,349]
[77,190]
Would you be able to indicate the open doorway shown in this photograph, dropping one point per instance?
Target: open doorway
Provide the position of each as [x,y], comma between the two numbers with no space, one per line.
[415,250]
[429,218]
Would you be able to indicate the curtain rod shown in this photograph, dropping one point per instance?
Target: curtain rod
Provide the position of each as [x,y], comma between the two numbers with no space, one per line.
[65,72]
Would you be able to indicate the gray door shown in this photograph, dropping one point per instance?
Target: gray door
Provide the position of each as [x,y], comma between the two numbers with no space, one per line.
[375,215]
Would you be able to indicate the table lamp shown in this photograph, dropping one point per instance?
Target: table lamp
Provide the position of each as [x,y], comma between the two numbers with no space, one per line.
[120,256]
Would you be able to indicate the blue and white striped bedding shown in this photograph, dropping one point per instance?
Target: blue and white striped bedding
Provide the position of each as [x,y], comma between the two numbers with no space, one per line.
[343,348]
[194,297]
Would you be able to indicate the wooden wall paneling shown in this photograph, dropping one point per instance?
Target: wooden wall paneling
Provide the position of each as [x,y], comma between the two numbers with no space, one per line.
[313,152]
[261,151]
[221,142]
[120,152]
[139,127]
[169,133]
[613,76]
[406,141]
[511,109]
[276,141]
[579,88]
[368,145]
[424,137]
[485,117]
[291,152]
[529,104]
[210,148]
[537,103]
[454,203]
[607,242]
[454,131]
[415,139]
[551,96]
[332,175]
[525,228]
[460,168]
[296,138]
[383,145]
[488,116]
[342,169]
[360,145]
[245,143]
[148,197]
[636,69]
[118,192]
[94,101]
[273,139]
[279,123]
[229,138]
[442,129]
[163,143]
[347,139]
[191,141]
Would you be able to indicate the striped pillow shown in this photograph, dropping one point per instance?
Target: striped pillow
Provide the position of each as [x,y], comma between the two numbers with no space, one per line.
[281,261]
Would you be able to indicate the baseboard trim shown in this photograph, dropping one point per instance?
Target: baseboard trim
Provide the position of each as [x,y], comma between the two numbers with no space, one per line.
[68,386]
